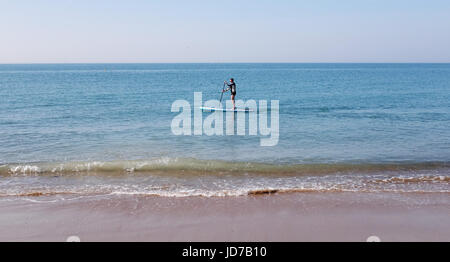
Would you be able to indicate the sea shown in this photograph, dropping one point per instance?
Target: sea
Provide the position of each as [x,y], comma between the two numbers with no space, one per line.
[88,130]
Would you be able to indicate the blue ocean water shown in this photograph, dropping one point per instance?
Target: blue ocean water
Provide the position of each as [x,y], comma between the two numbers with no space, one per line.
[329,113]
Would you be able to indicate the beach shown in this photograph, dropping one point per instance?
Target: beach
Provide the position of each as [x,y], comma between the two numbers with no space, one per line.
[225,121]
[357,150]
[273,217]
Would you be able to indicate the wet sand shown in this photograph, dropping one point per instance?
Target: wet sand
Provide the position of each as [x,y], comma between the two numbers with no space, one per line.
[275,217]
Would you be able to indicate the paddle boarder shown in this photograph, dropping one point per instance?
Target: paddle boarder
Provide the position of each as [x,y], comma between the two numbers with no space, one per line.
[232,88]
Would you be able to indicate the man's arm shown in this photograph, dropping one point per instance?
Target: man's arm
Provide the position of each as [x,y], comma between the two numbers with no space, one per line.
[229,86]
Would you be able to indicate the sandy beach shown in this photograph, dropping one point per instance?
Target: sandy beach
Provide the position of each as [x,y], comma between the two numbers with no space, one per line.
[276,217]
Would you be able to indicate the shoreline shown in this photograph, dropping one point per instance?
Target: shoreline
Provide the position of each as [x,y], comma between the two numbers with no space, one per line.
[274,217]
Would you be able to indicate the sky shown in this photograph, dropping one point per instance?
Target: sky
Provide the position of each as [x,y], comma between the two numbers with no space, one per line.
[167,31]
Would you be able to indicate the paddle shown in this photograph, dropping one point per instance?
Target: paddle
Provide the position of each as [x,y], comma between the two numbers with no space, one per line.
[223,88]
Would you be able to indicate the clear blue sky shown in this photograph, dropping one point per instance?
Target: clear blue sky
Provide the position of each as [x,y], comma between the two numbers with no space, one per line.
[45,31]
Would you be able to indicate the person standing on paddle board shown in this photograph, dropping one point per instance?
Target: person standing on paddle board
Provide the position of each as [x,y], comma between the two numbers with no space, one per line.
[232,88]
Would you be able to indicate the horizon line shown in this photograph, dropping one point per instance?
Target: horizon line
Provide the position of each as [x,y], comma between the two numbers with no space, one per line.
[53,63]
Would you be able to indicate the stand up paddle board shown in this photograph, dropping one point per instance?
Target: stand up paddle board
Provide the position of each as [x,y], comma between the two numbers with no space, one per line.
[225,109]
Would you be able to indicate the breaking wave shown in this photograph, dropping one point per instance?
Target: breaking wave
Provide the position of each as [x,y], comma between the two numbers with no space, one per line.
[197,166]
[178,177]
